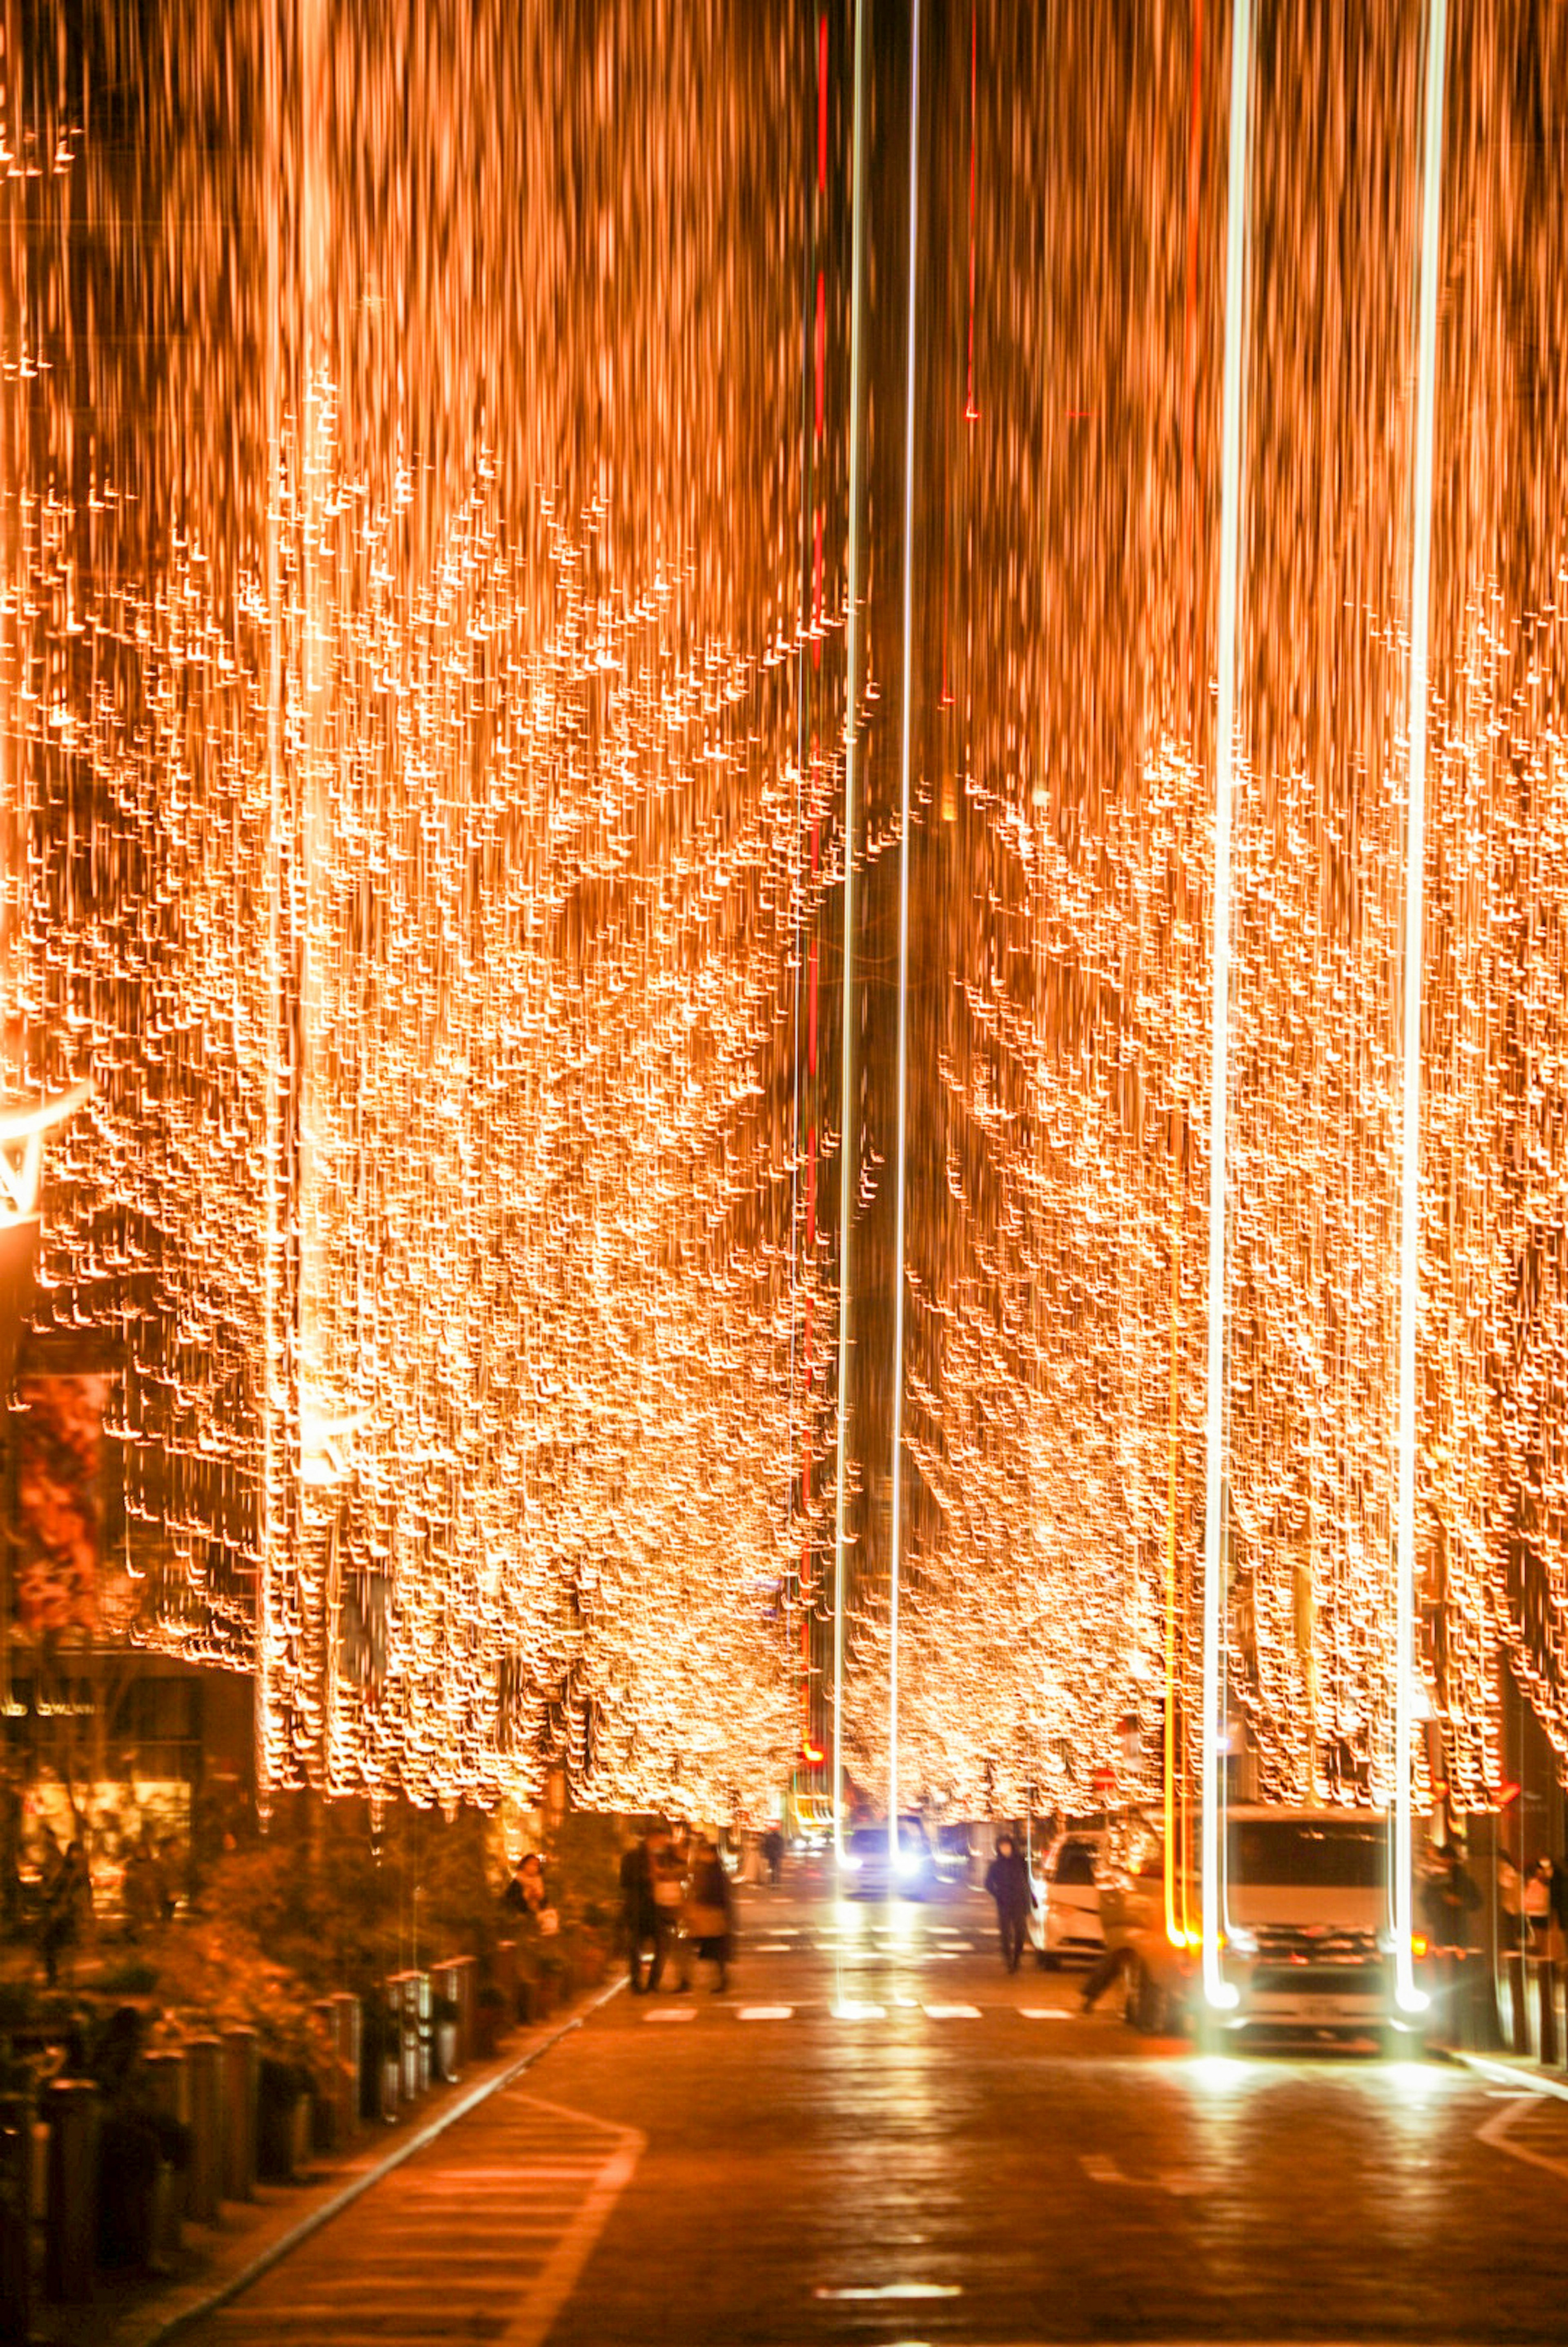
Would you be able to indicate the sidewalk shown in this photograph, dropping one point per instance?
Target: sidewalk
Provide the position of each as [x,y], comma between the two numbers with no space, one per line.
[217,2261]
[1510,2070]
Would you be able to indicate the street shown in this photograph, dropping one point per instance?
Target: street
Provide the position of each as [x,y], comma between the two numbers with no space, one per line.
[876,2135]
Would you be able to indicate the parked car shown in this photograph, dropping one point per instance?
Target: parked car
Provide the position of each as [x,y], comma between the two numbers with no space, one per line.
[1307,1945]
[1065,1921]
[865,1867]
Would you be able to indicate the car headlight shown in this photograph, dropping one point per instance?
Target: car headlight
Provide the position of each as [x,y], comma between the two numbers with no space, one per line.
[908,1861]
[848,1862]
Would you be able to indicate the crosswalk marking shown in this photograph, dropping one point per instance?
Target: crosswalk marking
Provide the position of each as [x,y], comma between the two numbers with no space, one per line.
[952,2012]
[767,2012]
[493,2243]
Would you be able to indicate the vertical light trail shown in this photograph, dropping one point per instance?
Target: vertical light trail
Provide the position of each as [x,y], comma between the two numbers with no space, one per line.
[1409,1995]
[903,959]
[1218,1991]
[272,1237]
[1176,1857]
[846,1142]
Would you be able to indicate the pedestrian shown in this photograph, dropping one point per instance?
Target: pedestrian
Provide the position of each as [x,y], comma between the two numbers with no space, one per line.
[1557,1923]
[709,1917]
[773,1851]
[1449,1898]
[1538,1903]
[642,1913]
[1107,1967]
[1007,1881]
[166,1876]
[139,1895]
[526,1897]
[68,1905]
[1510,1902]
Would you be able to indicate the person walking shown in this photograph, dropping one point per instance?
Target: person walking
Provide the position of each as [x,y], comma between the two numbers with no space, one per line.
[1007,1881]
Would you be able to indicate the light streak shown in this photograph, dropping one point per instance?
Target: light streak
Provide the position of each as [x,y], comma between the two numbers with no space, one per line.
[23,1128]
[1410,1997]
[847,1138]
[1217,1989]
[897,1497]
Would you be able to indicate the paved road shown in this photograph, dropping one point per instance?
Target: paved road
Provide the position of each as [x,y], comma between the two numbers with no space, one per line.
[877,2136]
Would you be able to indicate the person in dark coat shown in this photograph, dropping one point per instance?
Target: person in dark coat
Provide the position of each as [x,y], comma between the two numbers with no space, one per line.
[525,1899]
[1007,1881]
[1450,1897]
[709,1917]
[640,1911]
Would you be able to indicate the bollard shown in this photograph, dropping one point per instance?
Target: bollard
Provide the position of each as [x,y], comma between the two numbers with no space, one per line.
[452,1982]
[465,1973]
[70,2256]
[169,2090]
[1449,2025]
[403,2046]
[15,2216]
[327,2136]
[350,2053]
[409,1994]
[422,2008]
[1518,2001]
[240,2067]
[1548,2033]
[1481,2027]
[506,1977]
[204,2099]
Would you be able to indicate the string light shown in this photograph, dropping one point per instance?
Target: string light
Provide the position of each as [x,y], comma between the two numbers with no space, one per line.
[401,685]
[403,849]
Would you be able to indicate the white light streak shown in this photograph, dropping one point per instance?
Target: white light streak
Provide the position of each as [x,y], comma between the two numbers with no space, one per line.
[1410,1996]
[1218,1991]
[847,1143]
[903,957]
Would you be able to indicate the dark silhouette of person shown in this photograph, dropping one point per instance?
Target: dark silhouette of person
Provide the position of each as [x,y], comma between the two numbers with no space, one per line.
[640,1910]
[1007,1881]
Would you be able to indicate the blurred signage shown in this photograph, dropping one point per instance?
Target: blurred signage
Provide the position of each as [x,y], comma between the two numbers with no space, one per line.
[59,1503]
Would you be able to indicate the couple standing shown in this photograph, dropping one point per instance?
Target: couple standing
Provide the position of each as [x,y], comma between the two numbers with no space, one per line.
[669,1893]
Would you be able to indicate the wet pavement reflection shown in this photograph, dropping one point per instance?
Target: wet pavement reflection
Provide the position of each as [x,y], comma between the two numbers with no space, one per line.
[877,2135]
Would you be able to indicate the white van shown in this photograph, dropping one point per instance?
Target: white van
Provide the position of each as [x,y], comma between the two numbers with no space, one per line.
[1309,1947]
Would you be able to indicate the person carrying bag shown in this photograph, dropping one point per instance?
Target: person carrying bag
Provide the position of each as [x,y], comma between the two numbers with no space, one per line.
[709,1917]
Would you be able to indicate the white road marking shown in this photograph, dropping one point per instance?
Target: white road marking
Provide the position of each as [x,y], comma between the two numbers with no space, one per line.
[896,2289]
[672,2013]
[848,2010]
[1101,2168]
[558,2278]
[1496,2134]
[767,2012]
[1045,2012]
[1518,2081]
[952,2012]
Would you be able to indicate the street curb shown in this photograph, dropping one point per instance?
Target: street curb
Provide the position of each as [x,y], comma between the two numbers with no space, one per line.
[1502,2072]
[286,2243]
